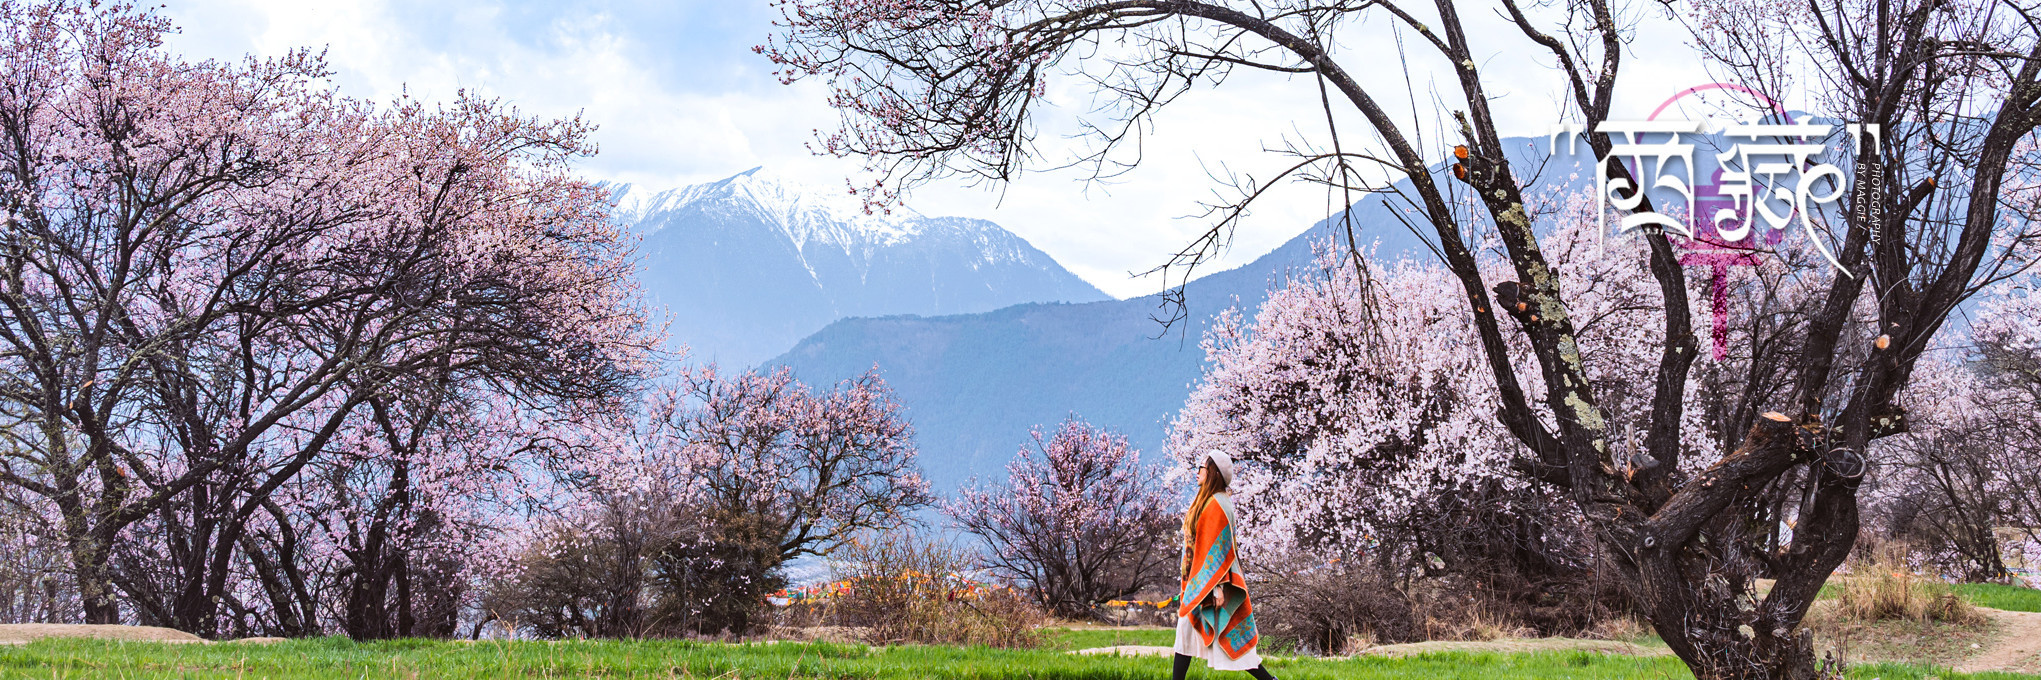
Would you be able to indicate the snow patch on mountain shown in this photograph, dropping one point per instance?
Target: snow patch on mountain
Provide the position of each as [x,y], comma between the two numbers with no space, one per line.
[801,213]
[746,260]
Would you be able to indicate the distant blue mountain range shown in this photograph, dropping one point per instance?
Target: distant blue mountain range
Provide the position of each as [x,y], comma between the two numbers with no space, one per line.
[974,384]
[742,268]
[975,370]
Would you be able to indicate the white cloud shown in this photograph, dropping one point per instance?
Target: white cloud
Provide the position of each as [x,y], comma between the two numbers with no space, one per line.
[685,101]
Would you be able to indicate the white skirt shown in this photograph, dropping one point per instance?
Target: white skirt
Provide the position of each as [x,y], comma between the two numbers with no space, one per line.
[1188,644]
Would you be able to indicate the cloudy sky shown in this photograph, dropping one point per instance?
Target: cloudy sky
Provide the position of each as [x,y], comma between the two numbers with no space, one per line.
[680,99]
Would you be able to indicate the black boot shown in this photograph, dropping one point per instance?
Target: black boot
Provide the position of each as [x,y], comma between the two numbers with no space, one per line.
[1260,673]
[1182,667]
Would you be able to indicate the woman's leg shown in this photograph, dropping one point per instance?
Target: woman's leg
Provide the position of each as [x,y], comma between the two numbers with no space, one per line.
[1182,668]
[1260,673]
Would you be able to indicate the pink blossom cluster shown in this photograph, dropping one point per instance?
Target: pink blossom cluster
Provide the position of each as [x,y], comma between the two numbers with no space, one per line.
[1346,431]
[251,324]
[1078,519]
[821,463]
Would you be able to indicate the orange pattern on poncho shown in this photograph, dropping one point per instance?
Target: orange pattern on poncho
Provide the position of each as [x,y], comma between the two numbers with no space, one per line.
[1211,566]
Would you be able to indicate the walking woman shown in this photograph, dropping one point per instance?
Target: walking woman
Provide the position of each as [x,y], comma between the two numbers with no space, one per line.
[1214,620]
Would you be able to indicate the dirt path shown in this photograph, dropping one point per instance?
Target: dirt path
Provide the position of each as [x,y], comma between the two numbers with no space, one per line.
[1506,646]
[24,633]
[1515,645]
[2017,650]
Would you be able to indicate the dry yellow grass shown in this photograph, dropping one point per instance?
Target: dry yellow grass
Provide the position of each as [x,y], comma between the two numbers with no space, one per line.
[1893,592]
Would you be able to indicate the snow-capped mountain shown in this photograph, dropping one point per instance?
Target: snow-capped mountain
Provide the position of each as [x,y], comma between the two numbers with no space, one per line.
[744,267]
[975,384]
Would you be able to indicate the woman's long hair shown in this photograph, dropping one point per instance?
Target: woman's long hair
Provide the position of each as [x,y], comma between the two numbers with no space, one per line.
[1214,483]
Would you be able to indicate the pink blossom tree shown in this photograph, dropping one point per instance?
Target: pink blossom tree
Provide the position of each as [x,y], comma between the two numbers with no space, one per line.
[2008,335]
[686,510]
[820,465]
[1946,486]
[1970,465]
[1078,519]
[1365,427]
[403,503]
[211,270]
[931,88]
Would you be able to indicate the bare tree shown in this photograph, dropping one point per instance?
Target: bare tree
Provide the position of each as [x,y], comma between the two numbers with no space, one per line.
[35,585]
[931,88]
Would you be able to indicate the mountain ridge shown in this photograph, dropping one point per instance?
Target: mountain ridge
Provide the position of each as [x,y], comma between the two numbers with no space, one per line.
[975,384]
[744,267]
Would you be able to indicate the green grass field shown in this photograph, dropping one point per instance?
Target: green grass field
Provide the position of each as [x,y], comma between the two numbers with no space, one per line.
[335,658]
[1089,638]
[340,658]
[1995,596]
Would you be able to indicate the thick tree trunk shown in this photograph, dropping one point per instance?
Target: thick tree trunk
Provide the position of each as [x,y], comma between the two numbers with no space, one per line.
[406,622]
[202,581]
[368,593]
[1696,559]
[379,564]
[1720,636]
[95,580]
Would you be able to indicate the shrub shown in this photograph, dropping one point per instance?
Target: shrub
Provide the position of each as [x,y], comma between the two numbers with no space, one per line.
[908,588]
[576,581]
[714,577]
[678,572]
[1889,589]
[1344,606]
[1334,610]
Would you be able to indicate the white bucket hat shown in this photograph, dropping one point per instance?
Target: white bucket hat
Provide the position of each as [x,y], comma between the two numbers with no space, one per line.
[1224,463]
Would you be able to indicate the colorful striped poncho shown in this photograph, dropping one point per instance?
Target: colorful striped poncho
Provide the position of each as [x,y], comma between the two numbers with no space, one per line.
[1213,565]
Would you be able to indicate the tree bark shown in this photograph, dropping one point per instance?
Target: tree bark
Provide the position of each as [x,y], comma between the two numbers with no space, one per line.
[95,578]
